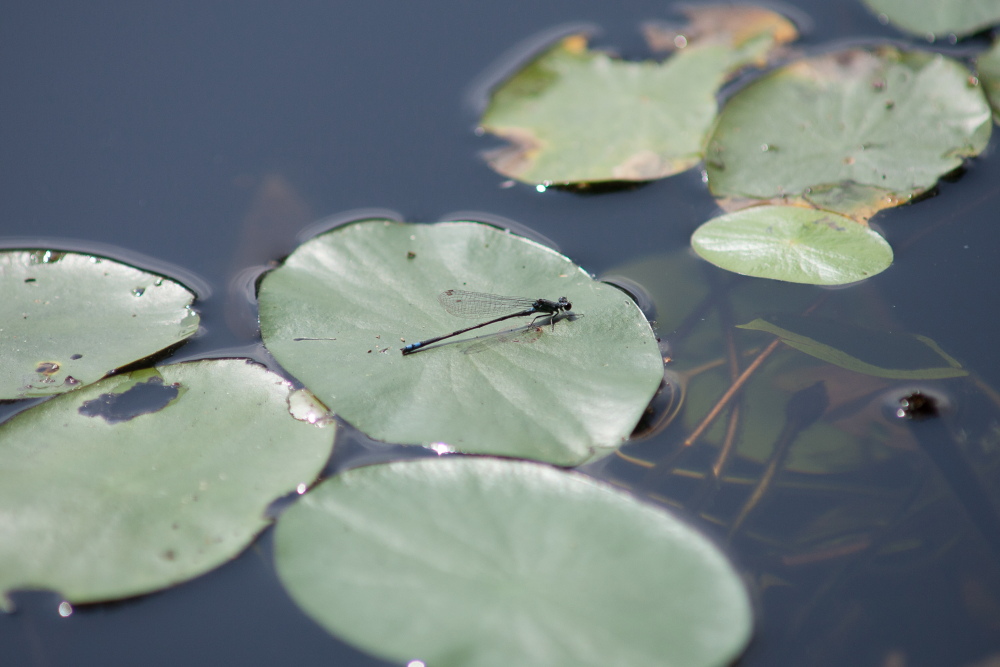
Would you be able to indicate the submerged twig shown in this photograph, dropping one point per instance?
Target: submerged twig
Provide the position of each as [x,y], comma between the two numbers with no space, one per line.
[804,408]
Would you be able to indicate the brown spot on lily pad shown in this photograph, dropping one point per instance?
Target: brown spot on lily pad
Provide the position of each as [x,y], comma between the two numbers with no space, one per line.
[731,25]
[516,158]
[849,65]
[47,368]
[643,166]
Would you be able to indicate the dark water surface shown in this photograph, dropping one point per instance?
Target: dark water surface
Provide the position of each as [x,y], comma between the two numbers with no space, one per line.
[208,135]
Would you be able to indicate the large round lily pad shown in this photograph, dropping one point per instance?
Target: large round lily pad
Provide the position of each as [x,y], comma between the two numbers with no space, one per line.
[149,478]
[339,310]
[852,131]
[794,244]
[68,319]
[473,562]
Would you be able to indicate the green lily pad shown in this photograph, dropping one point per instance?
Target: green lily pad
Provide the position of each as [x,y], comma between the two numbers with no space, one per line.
[988,67]
[579,116]
[899,356]
[68,319]
[336,314]
[882,125]
[471,561]
[794,244]
[150,478]
[939,17]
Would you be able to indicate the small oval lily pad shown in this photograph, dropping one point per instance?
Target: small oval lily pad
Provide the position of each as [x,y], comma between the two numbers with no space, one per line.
[472,561]
[939,17]
[149,478]
[338,311]
[574,115]
[68,319]
[795,244]
[880,126]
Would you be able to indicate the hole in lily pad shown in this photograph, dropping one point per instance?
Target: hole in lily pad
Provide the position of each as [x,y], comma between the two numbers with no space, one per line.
[140,399]
[109,498]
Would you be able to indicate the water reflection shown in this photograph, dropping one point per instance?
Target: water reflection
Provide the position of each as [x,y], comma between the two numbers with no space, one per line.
[843,512]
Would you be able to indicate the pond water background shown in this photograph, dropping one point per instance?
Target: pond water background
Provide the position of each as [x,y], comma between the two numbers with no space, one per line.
[207,135]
